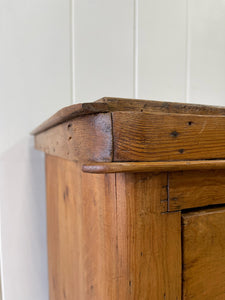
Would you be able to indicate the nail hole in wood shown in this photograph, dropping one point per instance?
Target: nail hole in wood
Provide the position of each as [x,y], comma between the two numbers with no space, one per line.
[174,134]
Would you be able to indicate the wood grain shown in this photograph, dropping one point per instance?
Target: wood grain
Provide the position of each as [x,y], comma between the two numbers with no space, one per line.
[166,137]
[195,189]
[87,138]
[70,112]
[159,166]
[81,232]
[108,237]
[204,255]
[149,242]
[123,104]
[108,104]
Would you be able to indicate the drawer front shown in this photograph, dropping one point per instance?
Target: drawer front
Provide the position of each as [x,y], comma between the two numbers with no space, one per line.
[204,254]
[196,189]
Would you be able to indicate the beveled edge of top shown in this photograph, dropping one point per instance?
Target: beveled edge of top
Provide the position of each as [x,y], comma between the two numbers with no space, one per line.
[111,104]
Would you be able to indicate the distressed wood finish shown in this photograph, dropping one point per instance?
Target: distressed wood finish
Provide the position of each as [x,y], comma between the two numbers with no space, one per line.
[204,255]
[123,104]
[108,237]
[81,232]
[196,189]
[159,166]
[138,230]
[108,104]
[84,138]
[70,112]
[165,137]
[150,249]
[121,130]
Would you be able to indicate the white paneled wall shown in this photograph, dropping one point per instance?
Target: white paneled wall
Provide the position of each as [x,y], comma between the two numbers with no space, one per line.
[35,80]
[162,50]
[206,41]
[23,224]
[103,48]
[53,51]
[34,64]
[161,47]
[131,49]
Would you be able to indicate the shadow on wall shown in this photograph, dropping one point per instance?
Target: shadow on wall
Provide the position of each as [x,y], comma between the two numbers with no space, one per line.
[23,223]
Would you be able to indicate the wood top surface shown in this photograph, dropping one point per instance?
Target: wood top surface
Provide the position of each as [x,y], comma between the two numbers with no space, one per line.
[110,104]
[128,130]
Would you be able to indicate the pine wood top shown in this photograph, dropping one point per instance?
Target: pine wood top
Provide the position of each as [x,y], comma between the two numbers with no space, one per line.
[109,104]
[70,112]
[128,130]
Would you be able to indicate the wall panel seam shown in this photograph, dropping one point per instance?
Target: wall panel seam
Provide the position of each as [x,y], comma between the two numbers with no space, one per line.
[72,49]
[187,92]
[135,50]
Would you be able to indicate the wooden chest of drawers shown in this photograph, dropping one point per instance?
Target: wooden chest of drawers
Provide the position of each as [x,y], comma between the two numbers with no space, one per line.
[135,200]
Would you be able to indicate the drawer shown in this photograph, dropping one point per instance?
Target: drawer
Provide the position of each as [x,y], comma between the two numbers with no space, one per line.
[195,189]
[203,234]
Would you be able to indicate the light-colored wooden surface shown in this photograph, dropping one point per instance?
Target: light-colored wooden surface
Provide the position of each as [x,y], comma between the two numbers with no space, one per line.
[149,241]
[119,236]
[151,106]
[204,255]
[158,137]
[70,112]
[108,235]
[135,136]
[195,189]
[159,166]
[81,232]
[109,104]
[84,138]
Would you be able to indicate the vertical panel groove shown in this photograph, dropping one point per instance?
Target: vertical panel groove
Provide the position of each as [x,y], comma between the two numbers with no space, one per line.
[135,53]
[187,53]
[168,191]
[72,49]
[182,256]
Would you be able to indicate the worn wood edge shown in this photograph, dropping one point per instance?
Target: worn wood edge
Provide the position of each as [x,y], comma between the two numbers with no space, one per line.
[161,106]
[86,139]
[201,212]
[110,104]
[145,136]
[165,166]
[70,112]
